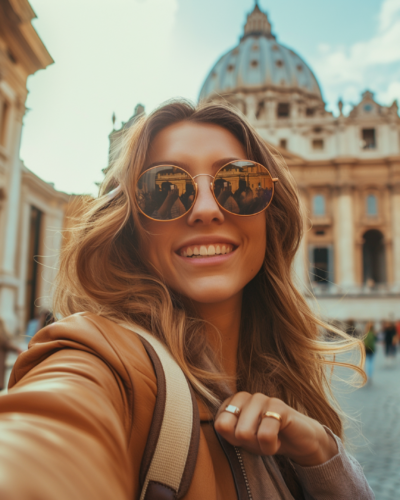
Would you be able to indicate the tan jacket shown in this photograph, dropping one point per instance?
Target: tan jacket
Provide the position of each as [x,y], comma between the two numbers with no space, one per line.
[75,422]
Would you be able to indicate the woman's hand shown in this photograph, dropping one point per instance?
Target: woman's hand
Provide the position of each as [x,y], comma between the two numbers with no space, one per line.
[296,436]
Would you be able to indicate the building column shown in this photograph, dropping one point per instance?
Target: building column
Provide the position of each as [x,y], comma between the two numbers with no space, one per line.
[9,281]
[51,244]
[345,238]
[300,268]
[23,259]
[396,236]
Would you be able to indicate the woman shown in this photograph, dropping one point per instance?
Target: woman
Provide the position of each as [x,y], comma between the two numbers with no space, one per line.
[370,347]
[216,288]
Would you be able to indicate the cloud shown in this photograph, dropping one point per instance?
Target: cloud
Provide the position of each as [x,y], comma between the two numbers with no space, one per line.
[374,64]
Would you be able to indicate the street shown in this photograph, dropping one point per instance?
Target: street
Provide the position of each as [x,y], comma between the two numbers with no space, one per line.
[375,439]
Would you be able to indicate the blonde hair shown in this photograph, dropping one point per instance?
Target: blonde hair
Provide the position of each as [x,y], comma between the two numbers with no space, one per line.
[282,351]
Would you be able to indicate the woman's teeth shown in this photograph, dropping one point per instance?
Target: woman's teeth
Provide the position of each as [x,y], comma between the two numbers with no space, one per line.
[206,250]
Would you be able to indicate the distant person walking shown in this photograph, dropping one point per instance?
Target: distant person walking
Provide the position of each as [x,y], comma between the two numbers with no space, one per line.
[6,346]
[390,334]
[370,348]
[45,318]
[351,328]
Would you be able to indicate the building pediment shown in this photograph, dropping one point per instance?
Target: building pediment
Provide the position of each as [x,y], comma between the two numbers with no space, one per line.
[369,109]
[24,45]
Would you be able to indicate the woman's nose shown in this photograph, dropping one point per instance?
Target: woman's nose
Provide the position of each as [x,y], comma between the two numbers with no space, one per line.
[205,209]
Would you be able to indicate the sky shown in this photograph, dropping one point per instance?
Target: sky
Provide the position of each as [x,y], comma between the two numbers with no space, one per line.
[113,54]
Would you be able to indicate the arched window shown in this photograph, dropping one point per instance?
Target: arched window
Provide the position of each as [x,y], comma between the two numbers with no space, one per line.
[372,205]
[319,204]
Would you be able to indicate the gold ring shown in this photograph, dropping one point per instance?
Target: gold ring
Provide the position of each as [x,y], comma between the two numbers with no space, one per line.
[233,409]
[272,414]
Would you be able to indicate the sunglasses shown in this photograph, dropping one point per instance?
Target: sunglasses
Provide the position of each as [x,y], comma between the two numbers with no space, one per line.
[241,187]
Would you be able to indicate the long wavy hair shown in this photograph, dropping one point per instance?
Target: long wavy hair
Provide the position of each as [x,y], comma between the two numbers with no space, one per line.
[283,350]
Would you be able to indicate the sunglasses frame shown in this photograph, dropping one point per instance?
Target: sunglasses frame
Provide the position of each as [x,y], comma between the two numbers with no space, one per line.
[274,180]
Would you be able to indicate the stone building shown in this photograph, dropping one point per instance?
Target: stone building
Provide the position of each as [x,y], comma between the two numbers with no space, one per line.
[31,210]
[347,168]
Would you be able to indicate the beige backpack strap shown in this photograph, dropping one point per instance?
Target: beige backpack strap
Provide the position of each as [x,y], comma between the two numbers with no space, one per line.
[171,451]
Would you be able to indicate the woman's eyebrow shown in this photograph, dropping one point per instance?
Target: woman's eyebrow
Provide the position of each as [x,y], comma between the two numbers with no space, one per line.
[223,161]
[168,162]
[217,164]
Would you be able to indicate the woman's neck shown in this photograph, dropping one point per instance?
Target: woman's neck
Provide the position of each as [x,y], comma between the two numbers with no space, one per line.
[225,317]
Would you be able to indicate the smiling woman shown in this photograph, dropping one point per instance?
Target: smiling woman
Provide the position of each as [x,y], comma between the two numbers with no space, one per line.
[195,248]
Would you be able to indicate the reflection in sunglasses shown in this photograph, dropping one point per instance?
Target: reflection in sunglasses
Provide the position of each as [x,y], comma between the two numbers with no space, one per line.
[168,192]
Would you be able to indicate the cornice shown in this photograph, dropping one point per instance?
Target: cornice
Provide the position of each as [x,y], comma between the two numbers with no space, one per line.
[21,37]
[351,160]
[30,180]
[23,9]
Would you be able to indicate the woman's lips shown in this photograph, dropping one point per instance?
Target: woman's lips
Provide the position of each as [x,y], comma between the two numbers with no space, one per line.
[206,251]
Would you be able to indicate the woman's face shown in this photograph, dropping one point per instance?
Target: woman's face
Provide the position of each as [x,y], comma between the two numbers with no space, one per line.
[219,275]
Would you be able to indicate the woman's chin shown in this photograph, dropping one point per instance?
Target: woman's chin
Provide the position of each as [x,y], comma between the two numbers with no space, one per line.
[211,294]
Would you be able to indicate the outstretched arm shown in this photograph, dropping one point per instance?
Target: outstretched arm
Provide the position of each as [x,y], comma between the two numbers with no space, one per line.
[62,432]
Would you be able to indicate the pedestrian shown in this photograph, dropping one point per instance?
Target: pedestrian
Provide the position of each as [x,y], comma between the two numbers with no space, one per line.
[370,347]
[397,332]
[390,346]
[186,365]
[351,328]
[44,318]
[6,346]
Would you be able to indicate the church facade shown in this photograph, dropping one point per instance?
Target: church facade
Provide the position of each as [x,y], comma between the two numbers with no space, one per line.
[347,169]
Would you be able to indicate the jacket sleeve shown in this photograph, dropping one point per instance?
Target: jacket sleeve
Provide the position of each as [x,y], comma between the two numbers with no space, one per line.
[62,432]
[341,477]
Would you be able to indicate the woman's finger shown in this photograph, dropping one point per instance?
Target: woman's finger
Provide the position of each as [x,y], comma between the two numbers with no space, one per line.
[249,421]
[226,421]
[268,436]
[273,419]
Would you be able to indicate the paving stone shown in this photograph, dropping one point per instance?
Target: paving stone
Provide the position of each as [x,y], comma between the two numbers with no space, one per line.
[375,440]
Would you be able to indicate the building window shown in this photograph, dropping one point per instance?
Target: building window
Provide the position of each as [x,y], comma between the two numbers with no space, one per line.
[319,204]
[321,265]
[368,138]
[283,143]
[372,205]
[4,111]
[283,110]
[318,144]
[374,259]
[310,111]
[260,110]
[11,56]
[32,288]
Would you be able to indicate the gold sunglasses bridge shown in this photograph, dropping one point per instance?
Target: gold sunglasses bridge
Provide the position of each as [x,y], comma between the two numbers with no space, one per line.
[208,175]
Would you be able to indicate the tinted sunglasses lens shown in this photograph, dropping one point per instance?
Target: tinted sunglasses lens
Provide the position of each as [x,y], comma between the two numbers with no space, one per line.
[243,187]
[165,192]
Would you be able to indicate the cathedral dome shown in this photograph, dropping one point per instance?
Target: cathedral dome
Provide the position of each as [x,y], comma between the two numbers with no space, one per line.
[259,62]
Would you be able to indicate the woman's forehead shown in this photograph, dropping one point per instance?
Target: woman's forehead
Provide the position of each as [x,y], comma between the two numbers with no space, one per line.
[188,142]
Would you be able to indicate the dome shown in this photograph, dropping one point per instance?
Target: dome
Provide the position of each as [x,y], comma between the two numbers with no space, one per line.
[259,62]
